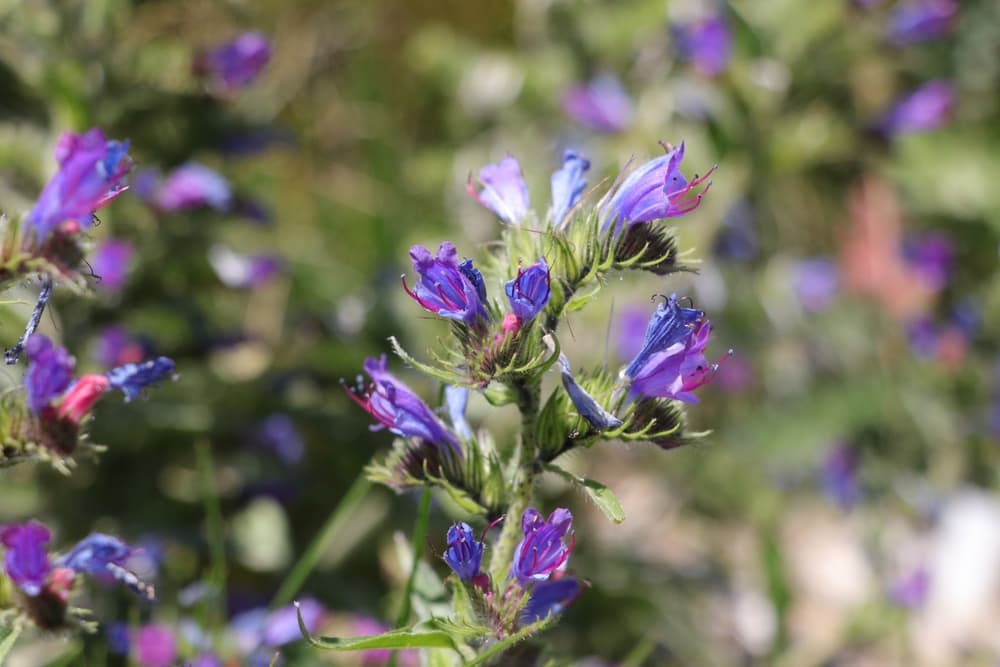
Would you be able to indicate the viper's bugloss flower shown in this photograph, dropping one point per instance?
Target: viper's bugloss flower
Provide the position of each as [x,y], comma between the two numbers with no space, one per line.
[456,399]
[94,553]
[705,43]
[397,408]
[447,288]
[529,292]
[111,262]
[81,397]
[838,477]
[602,104]
[26,562]
[50,371]
[654,191]
[585,404]
[544,549]
[927,108]
[464,553]
[910,592]
[278,434]
[192,186]
[550,598]
[115,346]
[568,185]
[931,257]
[244,271]
[815,282]
[920,20]
[503,190]
[671,363]
[91,174]
[282,625]
[132,378]
[236,64]
[155,646]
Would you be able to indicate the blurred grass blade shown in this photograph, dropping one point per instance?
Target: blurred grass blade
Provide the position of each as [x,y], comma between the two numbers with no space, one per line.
[334,523]
[215,532]
[415,637]
[603,497]
[7,638]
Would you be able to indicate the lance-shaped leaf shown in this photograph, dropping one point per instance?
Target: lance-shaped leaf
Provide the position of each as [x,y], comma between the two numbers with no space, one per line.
[602,496]
[420,635]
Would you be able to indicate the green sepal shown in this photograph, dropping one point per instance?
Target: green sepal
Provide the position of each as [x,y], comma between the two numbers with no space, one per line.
[602,496]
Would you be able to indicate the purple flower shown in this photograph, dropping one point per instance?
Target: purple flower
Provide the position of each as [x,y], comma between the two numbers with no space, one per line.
[116,347]
[737,239]
[567,185]
[550,598]
[447,288]
[192,186]
[931,257]
[278,434]
[91,174]
[364,626]
[927,108]
[704,43]
[206,660]
[27,560]
[815,282]
[504,190]
[244,271]
[397,408]
[654,191]
[94,553]
[585,404]
[543,550]
[236,64]
[282,626]
[457,398]
[118,638]
[111,263]
[911,591]
[529,292]
[132,378]
[602,104]
[920,20]
[50,371]
[838,477]
[155,646]
[629,331]
[464,553]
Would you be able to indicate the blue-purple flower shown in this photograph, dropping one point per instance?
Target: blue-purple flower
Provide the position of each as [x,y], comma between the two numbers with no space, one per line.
[503,190]
[26,562]
[456,399]
[278,434]
[111,262]
[91,174]
[94,553]
[115,346]
[50,371]
[838,477]
[654,191]
[568,185]
[815,282]
[529,292]
[244,271]
[927,108]
[447,288]
[910,591]
[282,625]
[544,548]
[585,404]
[602,104]
[464,553]
[131,379]
[920,20]
[192,186]
[550,598]
[705,43]
[236,64]
[397,408]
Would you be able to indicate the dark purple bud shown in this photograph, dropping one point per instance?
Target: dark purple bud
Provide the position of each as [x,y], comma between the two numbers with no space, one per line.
[920,20]
[475,277]
[602,105]
[544,549]
[704,43]
[464,553]
[504,190]
[816,282]
[50,371]
[91,174]
[111,262]
[132,378]
[236,64]
[193,186]
[27,560]
[550,598]
[445,288]
[585,404]
[568,185]
[927,108]
[529,292]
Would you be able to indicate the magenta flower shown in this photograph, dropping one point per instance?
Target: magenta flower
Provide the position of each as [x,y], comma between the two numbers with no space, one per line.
[567,186]
[921,20]
[155,646]
[91,174]
[655,190]
[244,271]
[529,292]
[236,64]
[503,190]
[705,44]
[447,288]
[27,560]
[111,263]
[193,186]
[927,108]
[602,104]
[543,550]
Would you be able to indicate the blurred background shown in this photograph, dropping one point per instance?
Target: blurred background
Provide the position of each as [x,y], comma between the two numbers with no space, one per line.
[843,510]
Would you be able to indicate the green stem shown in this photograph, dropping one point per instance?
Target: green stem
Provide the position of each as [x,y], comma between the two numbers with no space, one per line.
[334,523]
[215,531]
[419,537]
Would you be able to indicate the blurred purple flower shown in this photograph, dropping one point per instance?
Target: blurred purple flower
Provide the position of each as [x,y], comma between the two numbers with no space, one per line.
[235,64]
[365,626]
[568,184]
[838,477]
[50,371]
[206,660]
[282,625]
[94,553]
[529,292]
[117,635]
[931,257]
[629,330]
[920,20]
[116,347]
[504,190]
[447,288]
[543,550]
[735,376]
[911,591]
[244,271]
[602,104]
[737,240]
[27,560]
[816,283]
[550,598]
[91,174]
[278,434]
[464,553]
[155,646]
[705,43]
[655,190]
[927,108]
[131,379]
[111,262]
[192,186]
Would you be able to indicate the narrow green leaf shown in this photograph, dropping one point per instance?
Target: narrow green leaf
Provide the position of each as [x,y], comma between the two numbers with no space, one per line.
[415,637]
[7,638]
[602,496]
